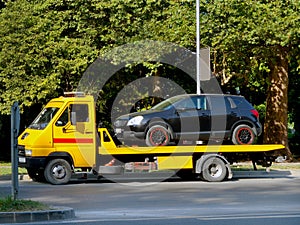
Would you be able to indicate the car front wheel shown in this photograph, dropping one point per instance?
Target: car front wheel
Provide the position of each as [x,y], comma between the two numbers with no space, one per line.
[158,135]
[243,135]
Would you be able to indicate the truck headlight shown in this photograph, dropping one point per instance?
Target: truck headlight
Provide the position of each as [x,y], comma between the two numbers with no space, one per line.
[28,152]
[135,121]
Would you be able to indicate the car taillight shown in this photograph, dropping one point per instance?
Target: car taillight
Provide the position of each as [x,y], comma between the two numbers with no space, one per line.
[255,113]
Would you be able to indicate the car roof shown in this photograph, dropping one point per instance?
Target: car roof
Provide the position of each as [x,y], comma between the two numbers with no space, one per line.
[210,94]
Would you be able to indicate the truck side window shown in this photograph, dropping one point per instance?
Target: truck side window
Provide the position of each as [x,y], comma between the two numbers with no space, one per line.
[63,119]
[81,111]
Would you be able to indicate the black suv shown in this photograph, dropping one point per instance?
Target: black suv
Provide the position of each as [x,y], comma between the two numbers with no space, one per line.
[185,118]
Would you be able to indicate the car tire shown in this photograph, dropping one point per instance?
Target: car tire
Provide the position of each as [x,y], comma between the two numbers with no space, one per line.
[158,135]
[58,171]
[243,135]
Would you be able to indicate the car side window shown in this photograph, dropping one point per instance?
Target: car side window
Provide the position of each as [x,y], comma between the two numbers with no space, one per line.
[187,103]
[231,103]
[201,103]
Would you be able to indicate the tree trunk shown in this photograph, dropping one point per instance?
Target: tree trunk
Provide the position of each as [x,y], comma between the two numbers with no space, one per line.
[276,121]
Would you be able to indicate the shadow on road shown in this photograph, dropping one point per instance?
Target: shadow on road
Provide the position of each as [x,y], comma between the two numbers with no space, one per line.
[171,177]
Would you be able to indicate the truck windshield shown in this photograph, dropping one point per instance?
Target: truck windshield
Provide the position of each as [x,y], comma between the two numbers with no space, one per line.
[42,120]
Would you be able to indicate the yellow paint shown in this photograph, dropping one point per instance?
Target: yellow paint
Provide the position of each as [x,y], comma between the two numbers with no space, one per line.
[174,162]
[110,148]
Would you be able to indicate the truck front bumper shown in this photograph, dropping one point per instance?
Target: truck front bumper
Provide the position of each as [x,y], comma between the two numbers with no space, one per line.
[32,162]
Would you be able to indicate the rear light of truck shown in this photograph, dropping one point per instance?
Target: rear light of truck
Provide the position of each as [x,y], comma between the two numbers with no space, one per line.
[255,113]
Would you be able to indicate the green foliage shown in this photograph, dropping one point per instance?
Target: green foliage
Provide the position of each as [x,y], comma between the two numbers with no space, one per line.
[245,35]
[38,53]
[261,110]
[46,45]
[9,205]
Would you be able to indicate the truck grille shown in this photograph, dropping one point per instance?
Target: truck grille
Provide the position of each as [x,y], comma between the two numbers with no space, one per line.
[21,150]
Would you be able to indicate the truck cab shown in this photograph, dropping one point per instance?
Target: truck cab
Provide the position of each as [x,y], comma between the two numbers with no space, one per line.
[62,136]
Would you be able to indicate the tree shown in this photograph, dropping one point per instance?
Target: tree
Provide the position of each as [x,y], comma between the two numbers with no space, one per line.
[39,53]
[47,45]
[256,38]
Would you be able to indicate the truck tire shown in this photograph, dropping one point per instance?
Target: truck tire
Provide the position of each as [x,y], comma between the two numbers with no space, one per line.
[36,174]
[158,135]
[214,170]
[243,135]
[58,171]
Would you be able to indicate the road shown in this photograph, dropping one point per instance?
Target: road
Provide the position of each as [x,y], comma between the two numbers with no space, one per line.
[263,199]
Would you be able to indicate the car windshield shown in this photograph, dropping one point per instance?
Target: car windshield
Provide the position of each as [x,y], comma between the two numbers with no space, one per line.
[42,120]
[168,103]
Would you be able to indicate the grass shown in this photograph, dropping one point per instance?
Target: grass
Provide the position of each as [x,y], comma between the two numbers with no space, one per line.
[9,205]
[5,169]
[274,166]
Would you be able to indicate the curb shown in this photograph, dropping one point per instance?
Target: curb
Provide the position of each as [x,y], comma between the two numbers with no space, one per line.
[60,213]
[266,174]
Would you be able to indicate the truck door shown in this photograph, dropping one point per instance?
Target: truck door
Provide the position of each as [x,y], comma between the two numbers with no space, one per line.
[74,132]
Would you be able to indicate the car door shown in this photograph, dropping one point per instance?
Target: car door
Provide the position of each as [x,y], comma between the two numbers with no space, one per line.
[219,116]
[194,116]
[204,115]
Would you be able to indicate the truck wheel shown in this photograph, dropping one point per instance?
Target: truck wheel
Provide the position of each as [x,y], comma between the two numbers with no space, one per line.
[214,170]
[36,174]
[58,171]
[243,135]
[158,135]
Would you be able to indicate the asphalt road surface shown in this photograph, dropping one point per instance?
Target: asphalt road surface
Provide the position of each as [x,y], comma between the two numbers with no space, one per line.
[262,199]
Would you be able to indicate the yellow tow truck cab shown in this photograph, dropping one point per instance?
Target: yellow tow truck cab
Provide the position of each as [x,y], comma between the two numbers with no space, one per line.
[64,140]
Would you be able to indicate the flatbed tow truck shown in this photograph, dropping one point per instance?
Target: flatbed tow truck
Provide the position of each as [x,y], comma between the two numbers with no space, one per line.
[64,141]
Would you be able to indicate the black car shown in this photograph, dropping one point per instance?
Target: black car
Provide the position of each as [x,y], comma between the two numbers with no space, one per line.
[185,118]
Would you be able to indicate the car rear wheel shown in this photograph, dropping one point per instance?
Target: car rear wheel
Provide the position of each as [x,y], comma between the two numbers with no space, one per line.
[158,135]
[243,135]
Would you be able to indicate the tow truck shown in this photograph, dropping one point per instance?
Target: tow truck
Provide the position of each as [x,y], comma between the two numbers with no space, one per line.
[64,140]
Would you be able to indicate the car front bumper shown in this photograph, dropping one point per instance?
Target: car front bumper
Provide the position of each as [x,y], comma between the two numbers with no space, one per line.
[123,134]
